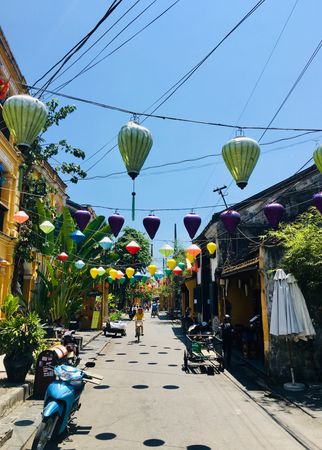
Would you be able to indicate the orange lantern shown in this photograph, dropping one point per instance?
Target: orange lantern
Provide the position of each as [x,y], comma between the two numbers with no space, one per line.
[193,250]
[21,217]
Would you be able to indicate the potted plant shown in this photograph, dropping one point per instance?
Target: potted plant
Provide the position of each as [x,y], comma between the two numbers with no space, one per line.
[20,335]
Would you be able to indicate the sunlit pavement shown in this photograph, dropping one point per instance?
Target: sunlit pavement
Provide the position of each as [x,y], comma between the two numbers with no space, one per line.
[146,400]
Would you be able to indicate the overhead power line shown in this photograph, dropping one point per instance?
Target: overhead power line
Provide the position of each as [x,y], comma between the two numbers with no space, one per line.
[174,88]
[77,47]
[90,65]
[185,78]
[174,118]
[298,79]
[98,40]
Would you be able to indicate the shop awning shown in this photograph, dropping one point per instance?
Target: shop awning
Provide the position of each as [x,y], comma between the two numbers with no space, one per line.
[246,266]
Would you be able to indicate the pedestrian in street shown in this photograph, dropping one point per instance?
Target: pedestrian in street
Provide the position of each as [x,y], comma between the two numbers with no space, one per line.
[227,339]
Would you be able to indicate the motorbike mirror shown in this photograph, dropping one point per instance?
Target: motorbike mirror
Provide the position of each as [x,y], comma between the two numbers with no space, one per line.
[90,364]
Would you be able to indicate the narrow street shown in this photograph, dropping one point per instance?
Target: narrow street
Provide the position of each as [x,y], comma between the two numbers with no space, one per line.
[146,400]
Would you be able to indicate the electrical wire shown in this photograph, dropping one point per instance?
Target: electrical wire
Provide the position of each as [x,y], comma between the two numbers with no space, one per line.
[174,88]
[97,40]
[267,61]
[90,65]
[175,118]
[76,48]
[305,68]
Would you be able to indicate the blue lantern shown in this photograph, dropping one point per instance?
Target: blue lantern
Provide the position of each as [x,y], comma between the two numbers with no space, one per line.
[77,236]
[106,243]
[79,264]
[158,275]
[138,276]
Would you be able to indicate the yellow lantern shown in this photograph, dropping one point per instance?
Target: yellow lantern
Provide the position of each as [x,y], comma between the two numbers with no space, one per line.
[129,272]
[113,274]
[152,268]
[171,263]
[211,247]
[93,272]
[190,258]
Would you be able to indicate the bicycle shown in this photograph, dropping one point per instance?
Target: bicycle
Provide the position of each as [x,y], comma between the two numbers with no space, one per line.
[138,329]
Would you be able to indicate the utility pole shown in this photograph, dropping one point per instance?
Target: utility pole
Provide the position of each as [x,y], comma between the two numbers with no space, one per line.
[220,192]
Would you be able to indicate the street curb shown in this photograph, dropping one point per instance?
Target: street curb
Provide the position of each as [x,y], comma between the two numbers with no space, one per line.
[92,338]
[16,396]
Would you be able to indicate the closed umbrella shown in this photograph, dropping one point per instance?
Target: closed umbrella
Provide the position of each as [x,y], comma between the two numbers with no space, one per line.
[284,320]
[300,307]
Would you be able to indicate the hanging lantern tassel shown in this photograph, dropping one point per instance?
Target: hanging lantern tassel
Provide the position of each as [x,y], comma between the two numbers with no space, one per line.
[133,200]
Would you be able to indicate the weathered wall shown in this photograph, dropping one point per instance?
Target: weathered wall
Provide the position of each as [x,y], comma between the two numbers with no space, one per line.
[307,356]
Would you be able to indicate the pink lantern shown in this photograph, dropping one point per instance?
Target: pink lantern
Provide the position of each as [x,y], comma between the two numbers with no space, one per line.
[133,247]
[62,257]
[21,217]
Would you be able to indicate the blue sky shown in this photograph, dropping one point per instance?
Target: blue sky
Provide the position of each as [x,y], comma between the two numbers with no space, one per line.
[137,74]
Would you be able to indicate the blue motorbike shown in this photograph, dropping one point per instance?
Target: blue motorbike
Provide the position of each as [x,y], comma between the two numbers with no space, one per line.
[61,402]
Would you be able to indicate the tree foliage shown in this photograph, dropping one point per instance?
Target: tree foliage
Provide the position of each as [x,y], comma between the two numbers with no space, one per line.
[301,241]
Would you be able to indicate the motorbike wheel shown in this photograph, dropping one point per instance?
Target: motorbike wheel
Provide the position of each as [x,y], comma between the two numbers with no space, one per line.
[45,430]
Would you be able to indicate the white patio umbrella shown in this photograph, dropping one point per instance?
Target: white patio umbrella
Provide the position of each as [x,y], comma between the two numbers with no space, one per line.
[301,310]
[284,320]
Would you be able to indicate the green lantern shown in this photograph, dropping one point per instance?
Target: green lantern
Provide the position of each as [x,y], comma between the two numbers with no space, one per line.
[182,265]
[25,117]
[241,155]
[134,143]
[168,272]
[317,156]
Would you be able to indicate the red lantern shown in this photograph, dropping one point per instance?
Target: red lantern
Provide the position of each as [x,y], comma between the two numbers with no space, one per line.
[195,267]
[4,88]
[62,257]
[177,270]
[133,247]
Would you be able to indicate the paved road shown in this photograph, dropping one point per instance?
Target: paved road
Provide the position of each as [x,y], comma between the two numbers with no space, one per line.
[146,400]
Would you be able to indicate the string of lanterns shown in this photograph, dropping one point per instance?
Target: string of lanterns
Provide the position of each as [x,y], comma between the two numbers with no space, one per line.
[25,116]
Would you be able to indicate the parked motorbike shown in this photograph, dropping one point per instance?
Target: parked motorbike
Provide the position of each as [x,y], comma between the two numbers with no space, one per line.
[68,340]
[61,402]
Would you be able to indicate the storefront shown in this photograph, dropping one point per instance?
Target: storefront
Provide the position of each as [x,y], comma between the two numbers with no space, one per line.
[242,296]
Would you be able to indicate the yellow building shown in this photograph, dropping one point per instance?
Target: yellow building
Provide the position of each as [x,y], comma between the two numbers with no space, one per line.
[10,161]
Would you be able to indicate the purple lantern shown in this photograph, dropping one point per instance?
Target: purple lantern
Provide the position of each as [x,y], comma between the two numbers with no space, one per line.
[274,212]
[82,218]
[116,222]
[230,219]
[317,200]
[151,224]
[192,222]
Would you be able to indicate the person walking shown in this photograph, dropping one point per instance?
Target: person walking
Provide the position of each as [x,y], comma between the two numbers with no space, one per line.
[227,339]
